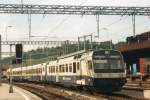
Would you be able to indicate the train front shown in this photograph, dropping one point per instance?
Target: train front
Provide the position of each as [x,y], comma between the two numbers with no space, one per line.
[109,70]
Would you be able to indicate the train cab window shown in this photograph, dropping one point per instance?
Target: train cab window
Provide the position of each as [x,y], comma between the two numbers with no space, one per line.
[78,65]
[74,67]
[66,67]
[70,67]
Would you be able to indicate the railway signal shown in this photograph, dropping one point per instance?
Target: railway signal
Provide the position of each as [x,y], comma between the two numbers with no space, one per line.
[19,49]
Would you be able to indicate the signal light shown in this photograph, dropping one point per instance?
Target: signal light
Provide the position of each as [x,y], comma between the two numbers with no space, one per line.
[19,49]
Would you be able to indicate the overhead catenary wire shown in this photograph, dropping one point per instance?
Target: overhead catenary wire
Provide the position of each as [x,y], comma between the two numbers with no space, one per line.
[63,21]
[115,22]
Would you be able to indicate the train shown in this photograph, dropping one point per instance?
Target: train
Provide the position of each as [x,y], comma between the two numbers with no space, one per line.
[103,70]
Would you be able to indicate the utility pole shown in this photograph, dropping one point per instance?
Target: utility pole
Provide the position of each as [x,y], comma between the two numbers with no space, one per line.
[78,43]
[0,74]
[11,85]
[29,23]
[91,42]
[0,64]
[133,23]
[84,42]
[0,47]
[97,20]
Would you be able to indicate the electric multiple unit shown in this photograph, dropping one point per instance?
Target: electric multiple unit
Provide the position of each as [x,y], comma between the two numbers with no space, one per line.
[100,69]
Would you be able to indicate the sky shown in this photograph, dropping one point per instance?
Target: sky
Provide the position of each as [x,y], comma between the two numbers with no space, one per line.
[69,27]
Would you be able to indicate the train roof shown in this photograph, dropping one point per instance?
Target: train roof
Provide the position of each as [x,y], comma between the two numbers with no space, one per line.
[83,51]
[75,53]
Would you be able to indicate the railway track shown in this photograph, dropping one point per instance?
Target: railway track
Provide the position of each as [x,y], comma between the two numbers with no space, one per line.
[41,91]
[48,92]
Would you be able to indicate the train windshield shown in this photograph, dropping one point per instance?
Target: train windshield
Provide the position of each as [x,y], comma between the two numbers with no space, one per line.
[107,60]
[108,63]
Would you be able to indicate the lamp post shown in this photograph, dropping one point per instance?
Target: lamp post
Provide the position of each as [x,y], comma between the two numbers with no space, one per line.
[11,85]
[6,29]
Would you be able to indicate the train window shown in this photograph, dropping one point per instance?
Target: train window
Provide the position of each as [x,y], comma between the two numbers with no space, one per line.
[40,70]
[66,67]
[60,68]
[37,70]
[70,67]
[74,67]
[54,68]
[63,69]
[43,69]
[78,65]
[51,69]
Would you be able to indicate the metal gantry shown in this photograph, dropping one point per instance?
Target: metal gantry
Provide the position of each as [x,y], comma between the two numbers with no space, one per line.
[56,43]
[74,10]
[71,9]
[35,42]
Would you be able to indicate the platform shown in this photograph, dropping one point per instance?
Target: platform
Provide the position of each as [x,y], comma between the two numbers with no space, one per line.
[18,94]
[147,94]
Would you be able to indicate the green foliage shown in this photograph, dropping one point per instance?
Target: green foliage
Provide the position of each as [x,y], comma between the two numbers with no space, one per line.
[42,55]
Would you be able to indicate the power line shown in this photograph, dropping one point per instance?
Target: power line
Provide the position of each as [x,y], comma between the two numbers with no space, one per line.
[64,20]
[115,22]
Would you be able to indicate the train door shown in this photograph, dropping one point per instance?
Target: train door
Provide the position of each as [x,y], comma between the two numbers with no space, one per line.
[45,74]
[83,70]
[78,65]
[89,64]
